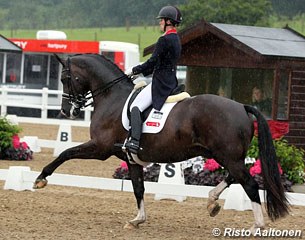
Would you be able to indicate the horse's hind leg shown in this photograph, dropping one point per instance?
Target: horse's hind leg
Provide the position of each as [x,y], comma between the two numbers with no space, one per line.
[242,176]
[137,178]
[84,151]
[213,206]
[252,189]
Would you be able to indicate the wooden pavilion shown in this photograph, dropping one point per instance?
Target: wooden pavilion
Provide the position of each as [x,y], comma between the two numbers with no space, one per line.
[236,58]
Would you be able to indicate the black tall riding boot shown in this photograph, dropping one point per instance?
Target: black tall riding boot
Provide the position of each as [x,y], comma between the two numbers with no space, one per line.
[136,122]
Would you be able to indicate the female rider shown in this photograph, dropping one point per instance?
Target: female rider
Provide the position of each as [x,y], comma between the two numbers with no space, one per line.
[162,64]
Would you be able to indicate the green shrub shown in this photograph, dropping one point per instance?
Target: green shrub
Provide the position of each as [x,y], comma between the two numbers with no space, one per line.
[7,131]
[290,158]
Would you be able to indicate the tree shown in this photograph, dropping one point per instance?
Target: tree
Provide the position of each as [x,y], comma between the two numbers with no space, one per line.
[251,12]
[288,8]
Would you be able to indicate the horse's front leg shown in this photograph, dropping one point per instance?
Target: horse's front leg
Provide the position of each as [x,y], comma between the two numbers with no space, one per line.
[137,179]
[86,150]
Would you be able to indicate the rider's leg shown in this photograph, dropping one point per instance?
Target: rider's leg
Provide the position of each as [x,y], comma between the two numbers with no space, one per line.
[136,122]
[142,101]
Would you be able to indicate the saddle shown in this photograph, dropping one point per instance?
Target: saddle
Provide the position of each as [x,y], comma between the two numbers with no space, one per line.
[153,120]
[177,95]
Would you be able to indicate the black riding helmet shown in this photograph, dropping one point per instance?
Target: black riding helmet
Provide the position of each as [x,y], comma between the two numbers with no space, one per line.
[172,13]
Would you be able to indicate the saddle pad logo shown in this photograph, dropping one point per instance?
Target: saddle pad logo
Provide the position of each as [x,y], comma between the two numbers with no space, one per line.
[152,124]
[157,115]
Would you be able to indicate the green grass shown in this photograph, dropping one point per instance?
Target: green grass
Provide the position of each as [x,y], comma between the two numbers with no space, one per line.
[298,26]
[144,36]
[297,22]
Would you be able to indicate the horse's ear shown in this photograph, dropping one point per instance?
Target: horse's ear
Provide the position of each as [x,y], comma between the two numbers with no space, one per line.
[60,60]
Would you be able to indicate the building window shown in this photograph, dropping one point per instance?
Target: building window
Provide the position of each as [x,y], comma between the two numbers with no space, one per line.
[35,70]
[13,68]
[248,86]
[54,74]
[282,111]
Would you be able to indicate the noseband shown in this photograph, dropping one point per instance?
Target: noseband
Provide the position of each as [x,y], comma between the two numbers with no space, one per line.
[79,101]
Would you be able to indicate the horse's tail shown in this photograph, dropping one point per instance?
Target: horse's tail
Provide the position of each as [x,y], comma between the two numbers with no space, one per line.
[277,203]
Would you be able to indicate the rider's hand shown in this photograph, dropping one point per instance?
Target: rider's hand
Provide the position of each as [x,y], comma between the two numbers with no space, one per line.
[129,74]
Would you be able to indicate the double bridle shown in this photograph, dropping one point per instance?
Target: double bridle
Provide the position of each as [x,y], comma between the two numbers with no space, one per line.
[79,101]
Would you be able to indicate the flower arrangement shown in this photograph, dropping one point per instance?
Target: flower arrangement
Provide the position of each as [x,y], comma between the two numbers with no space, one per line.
[291,159]
[257,168]
[151,172]
[211,165]
[10,146]
[19,151]
[210,174]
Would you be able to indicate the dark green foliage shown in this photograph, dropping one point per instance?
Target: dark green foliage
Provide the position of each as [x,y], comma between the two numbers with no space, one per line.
[243,12]
[7,131]
[290,158]
[57,14]
[288,8]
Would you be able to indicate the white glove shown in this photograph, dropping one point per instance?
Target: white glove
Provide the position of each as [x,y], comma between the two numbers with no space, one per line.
[129,74]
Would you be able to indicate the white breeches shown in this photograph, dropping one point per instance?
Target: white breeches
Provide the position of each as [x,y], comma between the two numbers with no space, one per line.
[144,99]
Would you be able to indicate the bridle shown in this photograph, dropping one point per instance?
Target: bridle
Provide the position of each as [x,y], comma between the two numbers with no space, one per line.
[79,101]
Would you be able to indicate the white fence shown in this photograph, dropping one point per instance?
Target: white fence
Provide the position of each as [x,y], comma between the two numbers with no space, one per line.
[20,178]
[35,99]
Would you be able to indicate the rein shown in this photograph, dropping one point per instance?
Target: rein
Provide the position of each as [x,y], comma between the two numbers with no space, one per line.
[104,88]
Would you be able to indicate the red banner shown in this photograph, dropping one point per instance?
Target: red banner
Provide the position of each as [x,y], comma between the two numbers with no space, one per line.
[57,46]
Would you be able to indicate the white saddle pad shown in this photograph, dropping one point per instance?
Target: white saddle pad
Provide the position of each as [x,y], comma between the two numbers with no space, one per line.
[155,121]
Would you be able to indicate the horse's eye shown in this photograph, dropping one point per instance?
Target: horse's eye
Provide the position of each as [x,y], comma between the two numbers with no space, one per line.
[65,79]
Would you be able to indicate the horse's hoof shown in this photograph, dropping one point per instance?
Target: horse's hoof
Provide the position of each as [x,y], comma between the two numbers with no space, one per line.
[256,228]
[130,226]
[40,183]
[214,209]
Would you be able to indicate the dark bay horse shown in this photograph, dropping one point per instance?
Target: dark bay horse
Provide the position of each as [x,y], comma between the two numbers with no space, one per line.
[204,125]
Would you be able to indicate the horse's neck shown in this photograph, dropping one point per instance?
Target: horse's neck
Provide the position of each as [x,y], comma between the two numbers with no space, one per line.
[115,98]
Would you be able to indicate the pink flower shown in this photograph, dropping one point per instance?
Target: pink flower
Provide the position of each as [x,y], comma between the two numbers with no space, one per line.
[16,141]
[257,168]
[24,145]
[124,165]
[211,165]
[280,169]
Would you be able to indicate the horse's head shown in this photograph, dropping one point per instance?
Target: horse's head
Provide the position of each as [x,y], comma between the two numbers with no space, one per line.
[87,76]
[75,88]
